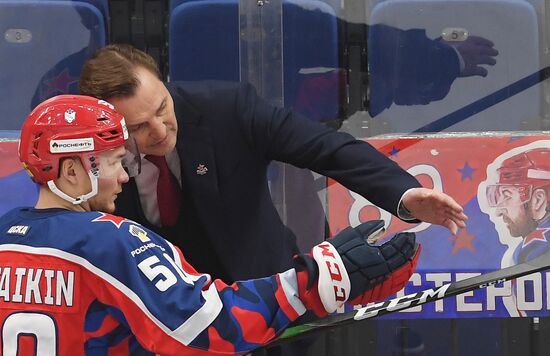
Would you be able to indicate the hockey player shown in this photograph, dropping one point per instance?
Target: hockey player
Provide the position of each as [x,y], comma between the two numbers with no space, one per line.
[520,198]
[76,280]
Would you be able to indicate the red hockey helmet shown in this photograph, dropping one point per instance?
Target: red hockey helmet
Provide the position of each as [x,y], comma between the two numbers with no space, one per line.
[521,173]
[68,126]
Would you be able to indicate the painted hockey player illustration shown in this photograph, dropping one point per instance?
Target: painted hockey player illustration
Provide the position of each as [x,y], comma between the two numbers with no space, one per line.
[520,200]
[515,195]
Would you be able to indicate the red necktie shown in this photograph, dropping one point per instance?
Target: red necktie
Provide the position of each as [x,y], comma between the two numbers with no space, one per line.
[168,192]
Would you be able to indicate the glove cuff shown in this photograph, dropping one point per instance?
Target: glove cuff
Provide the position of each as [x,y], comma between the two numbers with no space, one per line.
[333,282]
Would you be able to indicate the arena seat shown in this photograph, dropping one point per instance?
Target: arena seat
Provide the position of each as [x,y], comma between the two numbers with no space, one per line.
[204,45]
[518,57]
[45,45]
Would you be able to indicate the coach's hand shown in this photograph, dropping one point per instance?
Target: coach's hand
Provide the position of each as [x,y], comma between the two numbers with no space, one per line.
[348,268]
[436,208]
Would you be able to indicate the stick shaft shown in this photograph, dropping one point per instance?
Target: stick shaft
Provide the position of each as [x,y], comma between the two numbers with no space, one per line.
[411,300]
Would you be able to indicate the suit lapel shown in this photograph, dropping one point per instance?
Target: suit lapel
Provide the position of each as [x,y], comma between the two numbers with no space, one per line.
[128,203]
[196,152]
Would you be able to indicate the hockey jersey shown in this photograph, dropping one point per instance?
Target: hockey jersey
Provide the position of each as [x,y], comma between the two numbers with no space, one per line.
[90,283]
[533,245]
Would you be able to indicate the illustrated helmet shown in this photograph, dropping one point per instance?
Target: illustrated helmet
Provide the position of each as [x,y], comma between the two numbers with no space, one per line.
[523,172]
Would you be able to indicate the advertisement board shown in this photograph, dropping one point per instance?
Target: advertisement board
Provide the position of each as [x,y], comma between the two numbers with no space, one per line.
[503,182]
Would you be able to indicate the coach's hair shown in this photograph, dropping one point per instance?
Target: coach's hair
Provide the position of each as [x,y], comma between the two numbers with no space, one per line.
[111,71]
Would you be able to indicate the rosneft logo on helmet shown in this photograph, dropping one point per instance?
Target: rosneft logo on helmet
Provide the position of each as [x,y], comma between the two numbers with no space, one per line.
[72,145]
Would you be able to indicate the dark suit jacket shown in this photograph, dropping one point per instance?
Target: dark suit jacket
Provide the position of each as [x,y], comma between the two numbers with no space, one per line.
[229,226]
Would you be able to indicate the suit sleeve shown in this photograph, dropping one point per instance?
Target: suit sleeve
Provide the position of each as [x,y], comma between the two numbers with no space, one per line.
[173,309]
[283,135]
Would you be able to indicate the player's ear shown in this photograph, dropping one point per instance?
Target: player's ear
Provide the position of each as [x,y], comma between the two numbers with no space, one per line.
[69,168]
[538,203]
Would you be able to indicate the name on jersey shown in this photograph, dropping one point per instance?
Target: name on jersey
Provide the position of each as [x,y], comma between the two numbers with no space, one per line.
[37,286]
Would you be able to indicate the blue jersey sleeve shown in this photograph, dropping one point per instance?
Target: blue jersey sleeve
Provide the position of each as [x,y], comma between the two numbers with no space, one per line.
[170,306]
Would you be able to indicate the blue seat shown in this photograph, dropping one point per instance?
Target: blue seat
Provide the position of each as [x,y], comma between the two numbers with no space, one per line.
[175,3]
[41,56]
[102,6]
[204,41]
[407,93]
[312,82]
[204,44]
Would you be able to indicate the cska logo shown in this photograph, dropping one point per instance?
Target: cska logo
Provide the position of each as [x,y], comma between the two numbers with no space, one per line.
[70,115]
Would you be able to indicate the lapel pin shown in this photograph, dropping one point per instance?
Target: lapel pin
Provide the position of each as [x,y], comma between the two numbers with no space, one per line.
[201,169]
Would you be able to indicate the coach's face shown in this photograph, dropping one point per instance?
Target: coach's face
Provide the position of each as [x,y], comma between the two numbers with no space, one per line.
[149,115]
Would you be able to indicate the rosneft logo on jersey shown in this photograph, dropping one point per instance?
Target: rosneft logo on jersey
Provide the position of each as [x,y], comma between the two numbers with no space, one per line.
[139,233]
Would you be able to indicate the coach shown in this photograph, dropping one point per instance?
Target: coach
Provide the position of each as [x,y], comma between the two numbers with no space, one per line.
[212,142]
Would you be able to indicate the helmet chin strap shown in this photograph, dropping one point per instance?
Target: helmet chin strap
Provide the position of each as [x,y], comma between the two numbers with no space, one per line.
[78,200]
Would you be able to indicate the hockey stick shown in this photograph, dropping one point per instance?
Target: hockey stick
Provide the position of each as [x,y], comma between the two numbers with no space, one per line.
[411,300]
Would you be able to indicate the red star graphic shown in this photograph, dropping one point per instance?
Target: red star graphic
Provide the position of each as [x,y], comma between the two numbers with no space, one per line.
[538,234]
[60,83]
[116,220]
[462,240]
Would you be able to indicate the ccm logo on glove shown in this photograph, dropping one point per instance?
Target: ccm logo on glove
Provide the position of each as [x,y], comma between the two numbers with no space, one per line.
[347,268]
[334,284]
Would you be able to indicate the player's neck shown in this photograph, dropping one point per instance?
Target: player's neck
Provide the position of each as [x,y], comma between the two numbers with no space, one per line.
[47,200]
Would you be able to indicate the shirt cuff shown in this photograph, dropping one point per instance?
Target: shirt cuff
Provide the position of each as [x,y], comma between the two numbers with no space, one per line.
[402,212]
